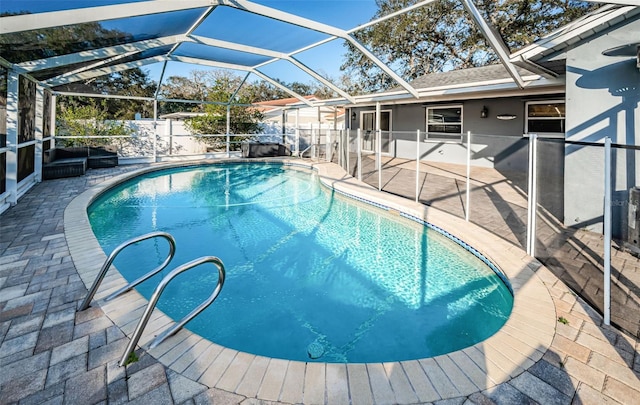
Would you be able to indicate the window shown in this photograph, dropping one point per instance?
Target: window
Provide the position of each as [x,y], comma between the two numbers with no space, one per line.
[546,117]
[444,122]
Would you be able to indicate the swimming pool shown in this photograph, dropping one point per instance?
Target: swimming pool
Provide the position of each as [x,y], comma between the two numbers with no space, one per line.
[351,283]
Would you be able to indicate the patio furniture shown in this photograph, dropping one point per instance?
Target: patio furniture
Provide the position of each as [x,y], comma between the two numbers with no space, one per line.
[68,167]
[266,149]
[74,161]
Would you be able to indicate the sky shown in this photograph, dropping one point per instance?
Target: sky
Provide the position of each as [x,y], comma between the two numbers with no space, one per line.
[325,59]
[234,25]
[230,24]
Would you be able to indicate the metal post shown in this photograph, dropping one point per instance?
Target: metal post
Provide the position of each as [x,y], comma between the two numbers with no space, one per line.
[313,142]
[340,146]
[468,196]
[359,152]
[228,130]
[54,101]
[348,150]
[532,203]
[168,133]
[13,90]
[607,230]
[329,148]
[378,164]
[155,130]
[39,129]
[298,133]
[284,125]
[318,136]
[418,165]
[379,154]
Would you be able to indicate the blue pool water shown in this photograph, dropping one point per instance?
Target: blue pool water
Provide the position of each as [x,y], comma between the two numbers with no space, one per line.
[311,275]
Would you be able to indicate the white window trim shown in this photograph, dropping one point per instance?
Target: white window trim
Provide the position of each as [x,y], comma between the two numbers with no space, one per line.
[545,134]
[444,135]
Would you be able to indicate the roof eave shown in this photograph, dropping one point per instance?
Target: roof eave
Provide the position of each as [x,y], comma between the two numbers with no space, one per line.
[505,87]
[559,40]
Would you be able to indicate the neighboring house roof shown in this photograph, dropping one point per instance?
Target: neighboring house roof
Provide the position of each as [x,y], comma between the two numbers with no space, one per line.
[274,108]
[285,102]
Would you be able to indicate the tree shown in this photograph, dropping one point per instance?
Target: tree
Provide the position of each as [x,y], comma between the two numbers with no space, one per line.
[133,82]
[442,36]
[90,121]
[194,87]
[243,119]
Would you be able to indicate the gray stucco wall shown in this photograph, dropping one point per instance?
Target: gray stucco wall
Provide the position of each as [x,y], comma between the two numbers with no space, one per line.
[495,143]
[602,93]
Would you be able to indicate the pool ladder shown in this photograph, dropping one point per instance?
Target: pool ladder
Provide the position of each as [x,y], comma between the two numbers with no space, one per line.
[144,319]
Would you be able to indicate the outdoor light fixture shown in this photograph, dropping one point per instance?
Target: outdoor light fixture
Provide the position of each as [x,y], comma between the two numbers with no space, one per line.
[484,113]
[506,117]
[625,50]
[353,116]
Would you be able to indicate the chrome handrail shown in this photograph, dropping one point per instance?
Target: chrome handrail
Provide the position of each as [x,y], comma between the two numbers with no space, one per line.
[156,295]
[111,258]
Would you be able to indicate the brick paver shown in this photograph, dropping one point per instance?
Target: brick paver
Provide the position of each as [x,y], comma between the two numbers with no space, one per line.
[50,354]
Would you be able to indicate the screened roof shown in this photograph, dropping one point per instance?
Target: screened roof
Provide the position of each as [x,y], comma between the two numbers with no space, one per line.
[268,39]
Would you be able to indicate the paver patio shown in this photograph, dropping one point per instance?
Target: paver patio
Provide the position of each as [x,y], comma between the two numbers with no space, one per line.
[49,353]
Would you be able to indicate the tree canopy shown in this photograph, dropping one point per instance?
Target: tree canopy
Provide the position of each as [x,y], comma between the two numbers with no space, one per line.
[206,86]
[442,36]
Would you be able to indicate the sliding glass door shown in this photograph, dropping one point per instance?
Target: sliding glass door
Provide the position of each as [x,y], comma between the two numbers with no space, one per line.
[368,127]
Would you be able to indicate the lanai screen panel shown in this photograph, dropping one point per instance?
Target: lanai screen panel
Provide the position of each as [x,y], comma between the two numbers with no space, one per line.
[242,27]
[43,6]
[219,54]
[28,45]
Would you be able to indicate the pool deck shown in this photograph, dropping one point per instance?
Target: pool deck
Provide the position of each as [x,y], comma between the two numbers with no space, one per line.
[49,353]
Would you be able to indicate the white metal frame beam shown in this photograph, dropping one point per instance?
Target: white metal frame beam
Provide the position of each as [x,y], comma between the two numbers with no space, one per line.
[319,27]
[495,41]
[619,2]
[28,22]
[282,87]
[107,52]
[223,65]
[273,54]
[59,80]
[237,47]
[210,63]
[82,15]
[319,78]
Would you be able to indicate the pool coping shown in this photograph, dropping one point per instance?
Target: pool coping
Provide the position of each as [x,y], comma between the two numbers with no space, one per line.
[518,345]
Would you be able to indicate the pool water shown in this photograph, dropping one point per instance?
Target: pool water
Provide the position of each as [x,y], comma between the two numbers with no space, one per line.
[311,275]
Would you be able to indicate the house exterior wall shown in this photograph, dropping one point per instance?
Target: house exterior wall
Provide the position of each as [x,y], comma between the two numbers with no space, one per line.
[495,143]
[602,93]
